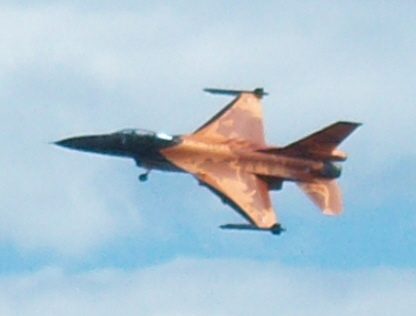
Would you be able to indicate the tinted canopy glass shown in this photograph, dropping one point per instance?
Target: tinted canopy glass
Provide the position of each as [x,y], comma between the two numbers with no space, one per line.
[136,131]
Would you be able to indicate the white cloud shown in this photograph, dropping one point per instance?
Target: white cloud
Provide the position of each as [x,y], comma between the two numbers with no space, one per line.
[211,287]
[48,208]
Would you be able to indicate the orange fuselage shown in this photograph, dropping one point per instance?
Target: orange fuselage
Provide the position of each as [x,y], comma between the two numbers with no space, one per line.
[198,155]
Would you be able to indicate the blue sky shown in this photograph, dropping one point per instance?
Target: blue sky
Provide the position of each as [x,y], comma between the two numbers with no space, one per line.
[79,234]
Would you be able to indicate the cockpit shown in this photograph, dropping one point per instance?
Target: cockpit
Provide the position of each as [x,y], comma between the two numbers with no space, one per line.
[135,131]
[137,135]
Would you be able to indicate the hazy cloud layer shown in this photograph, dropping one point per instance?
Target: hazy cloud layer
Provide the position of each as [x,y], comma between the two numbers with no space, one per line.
[211,287]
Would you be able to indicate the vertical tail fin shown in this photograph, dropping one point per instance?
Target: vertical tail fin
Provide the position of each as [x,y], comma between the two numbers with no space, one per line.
[322,145]
[326,194]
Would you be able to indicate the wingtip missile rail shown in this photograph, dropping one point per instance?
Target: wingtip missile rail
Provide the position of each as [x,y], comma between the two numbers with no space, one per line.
[276,229]
[259,92]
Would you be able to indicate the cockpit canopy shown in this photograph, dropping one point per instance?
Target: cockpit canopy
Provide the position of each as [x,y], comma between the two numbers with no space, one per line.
[135,131]
[146,133]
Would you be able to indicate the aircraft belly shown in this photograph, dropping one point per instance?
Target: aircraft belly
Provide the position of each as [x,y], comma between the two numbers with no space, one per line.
[268,169]
[195,157]
[157,162]
[279,167]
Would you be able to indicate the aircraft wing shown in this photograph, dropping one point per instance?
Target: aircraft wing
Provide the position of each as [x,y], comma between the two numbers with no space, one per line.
[242,119]
[245,192]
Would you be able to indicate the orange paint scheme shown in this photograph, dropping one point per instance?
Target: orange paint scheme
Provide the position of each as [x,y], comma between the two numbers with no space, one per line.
[229,155]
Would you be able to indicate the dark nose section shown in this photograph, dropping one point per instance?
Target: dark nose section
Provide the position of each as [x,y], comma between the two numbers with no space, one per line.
[104,144]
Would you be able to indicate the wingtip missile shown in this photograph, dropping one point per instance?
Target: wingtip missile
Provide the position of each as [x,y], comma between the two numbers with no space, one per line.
[276,229]
[259,92]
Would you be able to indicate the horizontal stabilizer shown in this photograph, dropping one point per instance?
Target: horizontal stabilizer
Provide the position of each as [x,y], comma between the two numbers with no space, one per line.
[259,92]
[276,229]
[320,145]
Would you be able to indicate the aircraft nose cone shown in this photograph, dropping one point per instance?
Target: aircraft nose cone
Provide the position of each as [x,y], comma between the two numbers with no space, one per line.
[84,143]
[67,143]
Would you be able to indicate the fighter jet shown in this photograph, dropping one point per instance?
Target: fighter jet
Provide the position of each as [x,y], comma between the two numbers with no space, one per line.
[229,155]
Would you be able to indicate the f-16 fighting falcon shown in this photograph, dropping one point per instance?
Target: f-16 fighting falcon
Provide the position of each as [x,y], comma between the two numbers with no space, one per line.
[229,155]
